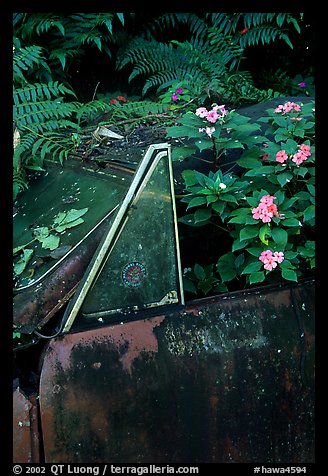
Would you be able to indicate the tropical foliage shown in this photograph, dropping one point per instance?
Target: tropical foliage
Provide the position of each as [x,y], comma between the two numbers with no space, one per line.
[268,210]
[210,59]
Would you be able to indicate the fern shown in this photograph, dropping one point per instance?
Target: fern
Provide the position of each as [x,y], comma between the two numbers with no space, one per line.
[175,61]
[24,61]
[35,107]
[68,34]
[137,110]
[42,118]
[210,56]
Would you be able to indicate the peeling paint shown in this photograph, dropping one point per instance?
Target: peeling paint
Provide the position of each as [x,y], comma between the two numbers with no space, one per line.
[224,335]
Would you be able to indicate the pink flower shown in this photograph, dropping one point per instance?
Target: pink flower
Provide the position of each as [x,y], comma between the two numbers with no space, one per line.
[281,156]
[266,215]
[222,110]
[299,157]
[267,199]
[270,260]
[112,101]
[302,84]
[265,255]
[279,108]
[212,116]
[209,130]
[174,97]
[279,256]
[287,107]
[179,90]
[266,209]
[264,156]
[305,149]
[201,112]
[270,264]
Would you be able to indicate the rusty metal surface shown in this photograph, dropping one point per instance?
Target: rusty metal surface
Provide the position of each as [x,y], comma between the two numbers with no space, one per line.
[227,379]
[25,429]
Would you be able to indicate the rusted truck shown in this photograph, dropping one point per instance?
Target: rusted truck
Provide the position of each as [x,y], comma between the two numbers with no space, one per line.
[113,365]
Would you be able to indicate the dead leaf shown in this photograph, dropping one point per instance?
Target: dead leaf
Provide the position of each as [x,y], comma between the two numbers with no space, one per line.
[16,138]
[103,131]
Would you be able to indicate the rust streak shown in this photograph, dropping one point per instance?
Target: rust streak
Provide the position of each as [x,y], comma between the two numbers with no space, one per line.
[138,335]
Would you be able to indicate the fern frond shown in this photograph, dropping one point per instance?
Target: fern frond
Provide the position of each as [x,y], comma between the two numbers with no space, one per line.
[37,115]
[38,23]
[40,91]
[20,182]
[88,111]
[197,26]
[25,59]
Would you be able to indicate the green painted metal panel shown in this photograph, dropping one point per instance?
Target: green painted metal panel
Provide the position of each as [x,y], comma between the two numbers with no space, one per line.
[62,189]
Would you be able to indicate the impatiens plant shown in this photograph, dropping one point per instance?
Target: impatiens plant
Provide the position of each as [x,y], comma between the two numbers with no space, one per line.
[212,128]
[267,210]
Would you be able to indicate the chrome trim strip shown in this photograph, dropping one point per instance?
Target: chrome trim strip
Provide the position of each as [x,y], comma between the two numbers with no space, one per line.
[140,178]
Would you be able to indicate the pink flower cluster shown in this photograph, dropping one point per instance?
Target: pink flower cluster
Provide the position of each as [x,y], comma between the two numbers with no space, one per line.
[302,154]
[216,113]
[175,95]
[270,259]
[266,209]
[287,107]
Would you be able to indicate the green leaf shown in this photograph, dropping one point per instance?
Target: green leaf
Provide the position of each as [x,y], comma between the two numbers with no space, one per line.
[291,222]
[21,264]
[248,232]
[69,219]
[226,267]
[184,131]
[309,213]
[199,272]
[41,232]
[252,267]
[18,249]
[249,162]
[71,224]
[289,274]
[212,199]
[284,178]
[257,277]
[189,286]
[280,237]
[262,170]
[218,207]
[181,153]
[189,220]
[202,215]
[206,285]
[121,17]
[265,231]
[50,242]
[201,179]
[238,245]
[189,177]
[227,197]
[254,250]
[195,202]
